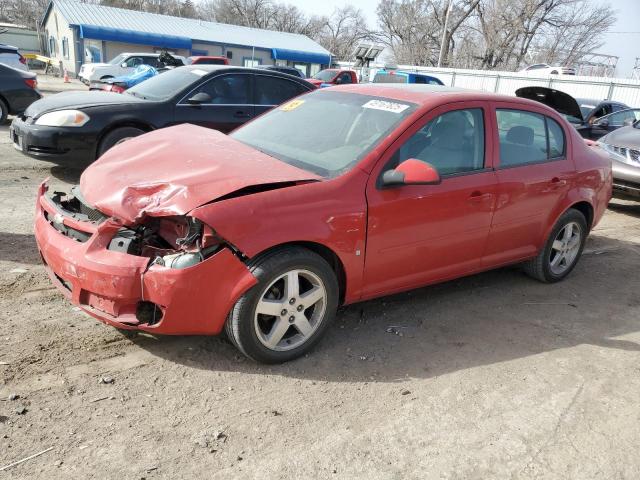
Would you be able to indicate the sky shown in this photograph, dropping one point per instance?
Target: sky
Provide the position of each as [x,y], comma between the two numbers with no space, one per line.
[623,45]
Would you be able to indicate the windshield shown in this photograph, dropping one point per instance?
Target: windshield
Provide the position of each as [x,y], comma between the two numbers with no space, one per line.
[326,133]
[117,60]
[325,75]
[166,85]
[586,110]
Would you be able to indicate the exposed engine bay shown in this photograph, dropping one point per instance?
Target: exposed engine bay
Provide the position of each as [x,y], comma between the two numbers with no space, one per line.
[171,241]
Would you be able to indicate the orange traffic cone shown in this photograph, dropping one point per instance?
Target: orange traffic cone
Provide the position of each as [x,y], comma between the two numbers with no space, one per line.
[66,76]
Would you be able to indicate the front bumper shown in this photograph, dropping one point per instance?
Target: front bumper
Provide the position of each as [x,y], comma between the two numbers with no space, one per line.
[626,179]
[111,286]
[64,146]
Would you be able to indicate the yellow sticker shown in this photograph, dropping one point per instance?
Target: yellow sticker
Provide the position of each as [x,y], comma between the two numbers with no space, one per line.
[293,104]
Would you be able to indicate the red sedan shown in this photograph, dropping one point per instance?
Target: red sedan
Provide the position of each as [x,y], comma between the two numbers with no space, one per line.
[338,196]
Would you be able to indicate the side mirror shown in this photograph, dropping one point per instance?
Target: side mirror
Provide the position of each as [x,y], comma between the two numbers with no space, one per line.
[628,122]
[198,98]
[124,65]
[411,172]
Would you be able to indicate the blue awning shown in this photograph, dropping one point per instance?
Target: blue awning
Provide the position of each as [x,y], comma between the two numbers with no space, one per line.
[300,56]
[132,36]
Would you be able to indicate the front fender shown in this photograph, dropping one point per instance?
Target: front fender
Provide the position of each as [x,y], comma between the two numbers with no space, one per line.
[330,213]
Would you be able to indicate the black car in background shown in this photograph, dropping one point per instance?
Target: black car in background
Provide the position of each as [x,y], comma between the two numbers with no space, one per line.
[17,91]
[582,113]
[75,128]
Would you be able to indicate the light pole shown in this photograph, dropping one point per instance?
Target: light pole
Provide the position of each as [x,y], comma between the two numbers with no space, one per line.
[444,32]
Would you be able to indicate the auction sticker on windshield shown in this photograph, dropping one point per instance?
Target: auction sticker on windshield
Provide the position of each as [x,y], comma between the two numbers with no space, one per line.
[291,105]
[386,106]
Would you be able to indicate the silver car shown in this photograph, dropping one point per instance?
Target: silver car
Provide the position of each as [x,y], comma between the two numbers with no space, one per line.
[623,146]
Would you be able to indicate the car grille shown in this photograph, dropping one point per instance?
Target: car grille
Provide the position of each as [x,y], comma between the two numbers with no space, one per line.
[93,214]
[629,153]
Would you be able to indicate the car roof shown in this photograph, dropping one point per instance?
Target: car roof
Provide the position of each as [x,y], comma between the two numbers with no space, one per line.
[208,56]
[425,94]
[214,68]
[4,45]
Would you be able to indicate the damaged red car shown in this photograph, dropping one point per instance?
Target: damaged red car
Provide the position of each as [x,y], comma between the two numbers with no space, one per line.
[338,196]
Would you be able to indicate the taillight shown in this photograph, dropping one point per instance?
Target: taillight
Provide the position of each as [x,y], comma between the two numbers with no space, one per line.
[117,89]
[22,60]
[32,82]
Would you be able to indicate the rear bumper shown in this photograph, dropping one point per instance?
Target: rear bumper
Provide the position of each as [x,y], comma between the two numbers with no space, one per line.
[64,146]
[112,286]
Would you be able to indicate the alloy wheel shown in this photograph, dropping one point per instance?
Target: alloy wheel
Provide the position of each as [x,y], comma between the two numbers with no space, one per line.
[565,248]
[290,310]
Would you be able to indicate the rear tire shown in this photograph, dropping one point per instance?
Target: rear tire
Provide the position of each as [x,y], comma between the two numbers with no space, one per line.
[562,250]
[298,291]
[117,136]
[4,112]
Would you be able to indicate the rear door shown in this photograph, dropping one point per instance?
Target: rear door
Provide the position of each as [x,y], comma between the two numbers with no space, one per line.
[270,90]
[230,105]
[534,172]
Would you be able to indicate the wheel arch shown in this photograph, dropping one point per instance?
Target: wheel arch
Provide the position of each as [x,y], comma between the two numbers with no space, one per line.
[325,252]
[586,209]
[6,104]
[120,124]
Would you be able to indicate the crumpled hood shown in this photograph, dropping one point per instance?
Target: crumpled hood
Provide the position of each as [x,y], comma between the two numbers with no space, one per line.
[561,102]
[174,170]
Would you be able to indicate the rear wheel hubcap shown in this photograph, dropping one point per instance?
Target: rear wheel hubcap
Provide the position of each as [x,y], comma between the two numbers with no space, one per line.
[565,248]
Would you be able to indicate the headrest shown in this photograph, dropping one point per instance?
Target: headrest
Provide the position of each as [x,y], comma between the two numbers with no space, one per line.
[447,134]
[520,135]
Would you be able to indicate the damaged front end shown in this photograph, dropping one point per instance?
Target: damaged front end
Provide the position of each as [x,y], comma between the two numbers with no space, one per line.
[167,274]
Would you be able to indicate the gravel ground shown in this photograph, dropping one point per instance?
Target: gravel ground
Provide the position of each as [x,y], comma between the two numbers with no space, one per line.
[491,376]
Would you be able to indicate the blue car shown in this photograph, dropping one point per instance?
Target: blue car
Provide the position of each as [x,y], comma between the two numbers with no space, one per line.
[399,76]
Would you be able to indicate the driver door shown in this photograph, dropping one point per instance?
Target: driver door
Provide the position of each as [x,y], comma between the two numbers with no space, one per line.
[420,234]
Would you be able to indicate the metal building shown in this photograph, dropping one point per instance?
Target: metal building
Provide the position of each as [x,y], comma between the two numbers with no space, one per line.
[77,33]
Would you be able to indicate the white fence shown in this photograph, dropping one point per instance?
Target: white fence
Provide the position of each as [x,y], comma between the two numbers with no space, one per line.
[623,90]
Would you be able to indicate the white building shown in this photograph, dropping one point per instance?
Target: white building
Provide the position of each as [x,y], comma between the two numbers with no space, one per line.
[77,33]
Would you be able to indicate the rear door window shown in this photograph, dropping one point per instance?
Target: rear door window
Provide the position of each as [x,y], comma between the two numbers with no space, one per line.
[274,90]
[527,137]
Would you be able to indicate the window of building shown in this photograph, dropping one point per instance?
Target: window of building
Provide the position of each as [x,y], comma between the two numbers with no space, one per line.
[65,48]
[251,62]
[52,47]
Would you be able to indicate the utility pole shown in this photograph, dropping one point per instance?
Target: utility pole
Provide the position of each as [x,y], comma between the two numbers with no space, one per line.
[444,32]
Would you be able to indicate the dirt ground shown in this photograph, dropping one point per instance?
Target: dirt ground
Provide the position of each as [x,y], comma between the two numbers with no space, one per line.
[494,376]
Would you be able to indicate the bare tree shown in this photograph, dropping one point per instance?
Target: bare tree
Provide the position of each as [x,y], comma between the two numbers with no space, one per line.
[342,31]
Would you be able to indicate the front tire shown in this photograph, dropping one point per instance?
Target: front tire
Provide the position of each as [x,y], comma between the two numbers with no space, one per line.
[116,137]
[287,312]
[562,250]
[4,112]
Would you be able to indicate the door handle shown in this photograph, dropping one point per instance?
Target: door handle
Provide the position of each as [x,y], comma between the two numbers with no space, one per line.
[477,196]
[241,114]
[558,182]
